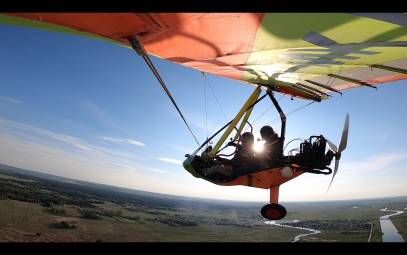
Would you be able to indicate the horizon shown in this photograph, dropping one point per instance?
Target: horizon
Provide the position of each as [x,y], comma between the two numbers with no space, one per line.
[199,198]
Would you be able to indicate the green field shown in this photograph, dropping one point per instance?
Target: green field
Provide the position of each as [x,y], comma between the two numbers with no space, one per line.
[56,210]
[22,221]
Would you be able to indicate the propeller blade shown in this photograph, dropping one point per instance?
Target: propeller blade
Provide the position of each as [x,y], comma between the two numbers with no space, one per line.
[335,171]
[342,146]
[344,138]
[331,146]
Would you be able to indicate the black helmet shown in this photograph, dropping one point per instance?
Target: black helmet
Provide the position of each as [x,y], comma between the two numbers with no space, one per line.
[266,131]
[247,136]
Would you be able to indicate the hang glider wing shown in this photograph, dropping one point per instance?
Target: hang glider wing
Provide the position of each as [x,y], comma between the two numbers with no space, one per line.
[306,55]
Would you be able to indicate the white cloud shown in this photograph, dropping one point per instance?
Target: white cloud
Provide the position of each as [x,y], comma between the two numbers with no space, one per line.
[10,100]
[134,142]
[99,114]
[38,134]
[127,167]
[120,140]
[169,160]
[72,141]
[157,170]
[42,137]
[378,162]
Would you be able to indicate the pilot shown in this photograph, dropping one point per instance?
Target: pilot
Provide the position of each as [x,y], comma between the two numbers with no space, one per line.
[242,159]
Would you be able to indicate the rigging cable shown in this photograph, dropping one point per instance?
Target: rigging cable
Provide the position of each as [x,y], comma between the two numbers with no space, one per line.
[206,111]
[266,110]
[288,114]
[292,112]
[138,47]
[214,95]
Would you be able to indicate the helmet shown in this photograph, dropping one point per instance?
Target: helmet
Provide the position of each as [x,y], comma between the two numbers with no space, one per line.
[247,136]
[266,131]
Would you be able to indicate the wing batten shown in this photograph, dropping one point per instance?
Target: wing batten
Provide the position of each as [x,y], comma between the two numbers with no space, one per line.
[316,97]
[389,68]
[313,89]
[351,80]
[323,86]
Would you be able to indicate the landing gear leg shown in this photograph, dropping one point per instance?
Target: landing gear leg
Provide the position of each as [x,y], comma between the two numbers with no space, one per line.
[273,211]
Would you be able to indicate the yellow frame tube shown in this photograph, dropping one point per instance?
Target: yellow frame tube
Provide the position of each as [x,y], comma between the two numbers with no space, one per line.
[245,118]
[253,97]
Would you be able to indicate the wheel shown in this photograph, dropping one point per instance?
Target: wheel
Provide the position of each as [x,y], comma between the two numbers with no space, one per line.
[273,211]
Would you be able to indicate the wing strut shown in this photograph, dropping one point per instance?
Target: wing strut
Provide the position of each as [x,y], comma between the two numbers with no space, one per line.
[282,117]
[137,45]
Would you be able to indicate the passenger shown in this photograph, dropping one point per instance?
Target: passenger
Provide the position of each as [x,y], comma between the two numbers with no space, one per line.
[271,148]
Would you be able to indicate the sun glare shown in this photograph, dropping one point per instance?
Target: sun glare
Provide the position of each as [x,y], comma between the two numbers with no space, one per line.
[258,147]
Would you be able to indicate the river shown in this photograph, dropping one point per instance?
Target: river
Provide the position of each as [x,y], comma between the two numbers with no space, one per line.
[390,233]
[298,237]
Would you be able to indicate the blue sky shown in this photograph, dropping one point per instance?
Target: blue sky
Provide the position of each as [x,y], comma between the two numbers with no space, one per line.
[92,110]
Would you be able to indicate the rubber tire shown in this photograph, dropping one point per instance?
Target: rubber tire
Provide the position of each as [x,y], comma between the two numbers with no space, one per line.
[273,211]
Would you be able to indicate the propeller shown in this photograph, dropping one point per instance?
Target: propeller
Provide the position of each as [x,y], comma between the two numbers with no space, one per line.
[342,146]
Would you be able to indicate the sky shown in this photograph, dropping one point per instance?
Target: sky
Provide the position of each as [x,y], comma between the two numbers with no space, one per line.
[92,110]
